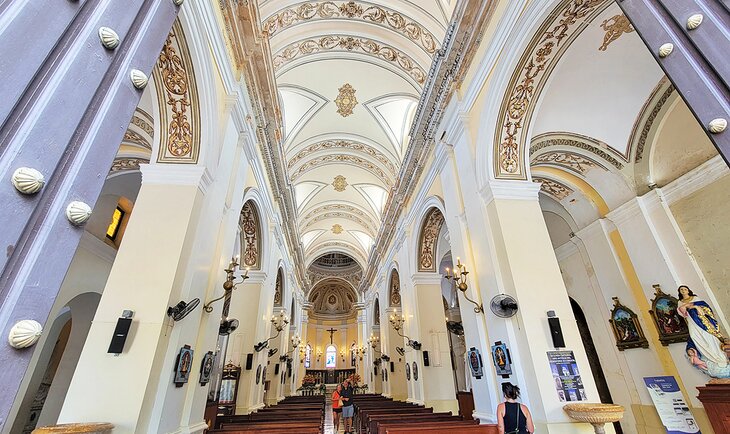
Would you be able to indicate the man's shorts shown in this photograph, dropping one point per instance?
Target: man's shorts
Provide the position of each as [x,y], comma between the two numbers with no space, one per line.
[348,411]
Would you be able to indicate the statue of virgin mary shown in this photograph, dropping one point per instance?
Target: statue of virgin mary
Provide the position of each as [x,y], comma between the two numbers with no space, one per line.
[704,329]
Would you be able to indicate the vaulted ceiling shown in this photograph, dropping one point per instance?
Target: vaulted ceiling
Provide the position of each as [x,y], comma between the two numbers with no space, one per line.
[349,76]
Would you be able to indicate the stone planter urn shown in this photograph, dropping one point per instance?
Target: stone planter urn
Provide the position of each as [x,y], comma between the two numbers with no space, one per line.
[595,414]
[75,428]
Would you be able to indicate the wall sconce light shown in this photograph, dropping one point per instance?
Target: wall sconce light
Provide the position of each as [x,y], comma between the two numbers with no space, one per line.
[230,284]
[459,279]
[279,322]
[373,341]
[319,354]
[360,351]
[397,322]
[343,353]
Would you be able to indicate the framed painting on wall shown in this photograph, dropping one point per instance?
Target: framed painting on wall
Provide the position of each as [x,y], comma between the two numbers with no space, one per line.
[183,366]
[206,368]
[408,372]
[671,326]
[626,327]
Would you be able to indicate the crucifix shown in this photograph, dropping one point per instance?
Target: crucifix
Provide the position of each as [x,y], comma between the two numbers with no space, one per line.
[332,331]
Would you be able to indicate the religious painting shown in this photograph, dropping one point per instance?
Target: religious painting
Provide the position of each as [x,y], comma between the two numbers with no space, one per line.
[626,327]
[206,368]
[671,326]
[568,382]
[183,365]
[475,363]
[408,372]
[258,374]
[501,359]
[415,371]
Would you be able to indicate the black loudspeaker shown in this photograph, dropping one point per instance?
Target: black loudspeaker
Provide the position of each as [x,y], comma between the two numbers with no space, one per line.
[556,332]
[249,361]
[116,346]
[276,369]
[392,367]
[426,362]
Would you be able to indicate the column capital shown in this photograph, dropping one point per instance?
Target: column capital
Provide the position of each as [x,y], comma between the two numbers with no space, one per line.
[256,277]
[426,278]
[509,190]
[176,174]
[625,212]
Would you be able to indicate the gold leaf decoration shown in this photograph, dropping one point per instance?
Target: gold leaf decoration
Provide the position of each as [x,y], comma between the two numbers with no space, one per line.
[346,100]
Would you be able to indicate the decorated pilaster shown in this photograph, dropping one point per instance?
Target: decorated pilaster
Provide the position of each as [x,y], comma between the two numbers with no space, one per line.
[523,261]
[299,369]
[434,383]
[396,385]
[144,279]
[364,363]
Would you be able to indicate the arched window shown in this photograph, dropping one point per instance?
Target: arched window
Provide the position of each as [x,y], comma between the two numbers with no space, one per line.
[330,357]
[308,356]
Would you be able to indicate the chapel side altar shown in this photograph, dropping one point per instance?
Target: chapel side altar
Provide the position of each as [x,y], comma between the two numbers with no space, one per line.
[330,376]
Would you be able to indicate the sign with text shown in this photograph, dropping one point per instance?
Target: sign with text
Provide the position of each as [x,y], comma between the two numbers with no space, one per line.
[670,405]
[566,376]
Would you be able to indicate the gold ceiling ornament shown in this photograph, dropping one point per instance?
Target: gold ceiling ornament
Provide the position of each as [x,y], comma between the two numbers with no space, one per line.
[647,116]
[356,11]
[127,164]
[248,223]
[346,100]
[548,44]
[553,188]
[427,241]
[336,229]
[330,145]
[344,43]
[615,26]
[178,100]
[339,183]
[339,215]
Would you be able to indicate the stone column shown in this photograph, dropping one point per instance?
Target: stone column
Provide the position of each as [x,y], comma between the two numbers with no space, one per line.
[72,152]
[144,279]
[527,269]
[363,361]
[437,380]
[396,384]
[276,389]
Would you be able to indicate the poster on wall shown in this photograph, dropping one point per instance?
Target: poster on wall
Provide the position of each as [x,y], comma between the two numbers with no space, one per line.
[566,376]
[670,405]
[475,363]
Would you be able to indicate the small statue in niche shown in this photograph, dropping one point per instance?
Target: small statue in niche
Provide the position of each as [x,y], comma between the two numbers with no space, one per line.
[706,347]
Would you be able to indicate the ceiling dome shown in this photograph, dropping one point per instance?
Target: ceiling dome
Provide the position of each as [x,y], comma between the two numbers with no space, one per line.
[332,299]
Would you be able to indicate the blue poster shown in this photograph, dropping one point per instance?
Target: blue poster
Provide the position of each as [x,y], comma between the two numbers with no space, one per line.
[670,405]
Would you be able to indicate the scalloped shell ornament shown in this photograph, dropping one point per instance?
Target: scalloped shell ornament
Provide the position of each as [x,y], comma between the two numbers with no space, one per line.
[28,180]
[25,333]
[139,79]
[666,49]
[694,21]
[78,213]
[177,2]
[718,125]
[109,38]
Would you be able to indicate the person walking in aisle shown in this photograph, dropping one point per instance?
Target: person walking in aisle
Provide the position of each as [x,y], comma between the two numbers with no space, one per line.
[336,407]
[348,411]
[513,417]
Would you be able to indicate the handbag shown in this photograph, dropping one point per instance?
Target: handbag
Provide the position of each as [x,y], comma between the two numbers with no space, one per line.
[517,426]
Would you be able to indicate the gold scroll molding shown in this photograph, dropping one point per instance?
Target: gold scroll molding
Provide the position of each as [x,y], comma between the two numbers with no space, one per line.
[354,11]
[548,44]
[553,188]
[615,26]
[250,227]
[428,239]
[278,290]
[344,159]
[330,145]
[177,97]
[344,43]
[339,208]
[583,143]
[394,289]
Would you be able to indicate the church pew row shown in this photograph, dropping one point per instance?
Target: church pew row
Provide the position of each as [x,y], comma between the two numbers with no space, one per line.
[298,415]
[385,416]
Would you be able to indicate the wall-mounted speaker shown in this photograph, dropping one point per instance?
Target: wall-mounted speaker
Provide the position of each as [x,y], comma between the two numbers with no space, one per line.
[116,346]
[392,366]
[276,369]
[556,332]
[426,361]
[249,361]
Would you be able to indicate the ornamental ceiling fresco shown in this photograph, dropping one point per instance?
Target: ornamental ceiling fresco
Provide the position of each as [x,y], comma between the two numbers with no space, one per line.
[349,75]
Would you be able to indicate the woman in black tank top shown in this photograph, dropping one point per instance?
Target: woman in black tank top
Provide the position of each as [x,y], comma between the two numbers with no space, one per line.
[513,417]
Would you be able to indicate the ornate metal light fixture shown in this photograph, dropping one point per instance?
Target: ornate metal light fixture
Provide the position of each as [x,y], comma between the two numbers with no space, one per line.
[296,342]
[230,284]
[373,341]
[397,322]
[278,322]
[360,351]
[459,280]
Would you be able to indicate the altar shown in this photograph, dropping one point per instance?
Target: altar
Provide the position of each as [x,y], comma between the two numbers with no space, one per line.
[330,376]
